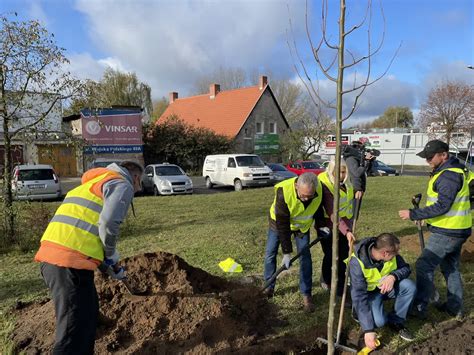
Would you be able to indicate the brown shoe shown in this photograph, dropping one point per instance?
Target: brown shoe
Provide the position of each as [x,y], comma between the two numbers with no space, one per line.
[308,304]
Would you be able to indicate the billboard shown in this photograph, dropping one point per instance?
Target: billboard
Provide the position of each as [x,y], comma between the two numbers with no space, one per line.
[112,127]
[267,144]
[331,142]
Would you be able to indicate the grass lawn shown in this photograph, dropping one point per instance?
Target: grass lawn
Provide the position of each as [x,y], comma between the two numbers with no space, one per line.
[205,229]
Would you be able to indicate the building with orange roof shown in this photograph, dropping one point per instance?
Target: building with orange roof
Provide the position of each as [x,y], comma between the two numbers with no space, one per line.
[251,116]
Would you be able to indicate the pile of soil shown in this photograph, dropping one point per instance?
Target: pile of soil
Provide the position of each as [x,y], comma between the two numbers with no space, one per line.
[183,309]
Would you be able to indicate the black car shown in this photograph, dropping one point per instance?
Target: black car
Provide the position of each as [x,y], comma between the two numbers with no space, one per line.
[280,173]
[382,169]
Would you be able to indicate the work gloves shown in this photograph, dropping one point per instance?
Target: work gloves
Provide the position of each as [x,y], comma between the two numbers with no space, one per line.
[286,261]
[112,268]
[324,232]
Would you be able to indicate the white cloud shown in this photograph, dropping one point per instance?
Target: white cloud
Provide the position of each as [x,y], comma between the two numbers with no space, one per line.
[170,43]
[36,12]
[83,66]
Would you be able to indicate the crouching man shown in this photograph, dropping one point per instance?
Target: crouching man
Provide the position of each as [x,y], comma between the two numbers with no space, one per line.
[377,274]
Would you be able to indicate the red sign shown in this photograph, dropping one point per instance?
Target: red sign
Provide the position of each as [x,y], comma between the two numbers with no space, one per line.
[331,143]
[121,129]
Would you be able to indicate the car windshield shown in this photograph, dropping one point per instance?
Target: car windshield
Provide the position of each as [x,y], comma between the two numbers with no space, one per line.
[249,160]
[277,167]
[311,165]
[168,171]
[36,174]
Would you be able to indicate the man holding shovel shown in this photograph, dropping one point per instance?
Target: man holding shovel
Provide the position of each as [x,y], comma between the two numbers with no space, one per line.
[448,216]
[292,213]
[80,238]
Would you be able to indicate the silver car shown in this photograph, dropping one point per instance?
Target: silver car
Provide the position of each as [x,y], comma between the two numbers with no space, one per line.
[35,182]
[166,179]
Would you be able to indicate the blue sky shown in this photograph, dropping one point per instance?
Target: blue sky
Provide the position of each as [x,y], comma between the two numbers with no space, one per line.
[168,44]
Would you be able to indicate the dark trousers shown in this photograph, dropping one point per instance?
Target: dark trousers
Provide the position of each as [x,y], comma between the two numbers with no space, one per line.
[76,306]
[326,245]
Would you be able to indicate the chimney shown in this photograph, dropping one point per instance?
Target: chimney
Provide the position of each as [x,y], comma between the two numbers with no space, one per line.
[173,97]
[213,90]
[262,82]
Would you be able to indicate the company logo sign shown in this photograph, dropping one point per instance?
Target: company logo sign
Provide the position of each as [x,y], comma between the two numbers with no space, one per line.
[122,129]
[93,128]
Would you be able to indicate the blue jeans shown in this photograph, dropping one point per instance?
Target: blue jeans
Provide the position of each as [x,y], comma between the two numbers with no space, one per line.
[403,292]
[444,251]
[306,265]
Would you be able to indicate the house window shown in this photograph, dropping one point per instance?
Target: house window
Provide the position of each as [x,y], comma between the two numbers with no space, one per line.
[259,128]
[272,128]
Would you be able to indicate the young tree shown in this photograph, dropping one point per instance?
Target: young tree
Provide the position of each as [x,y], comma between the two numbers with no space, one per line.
[449,107]
[31,68]
[342,61]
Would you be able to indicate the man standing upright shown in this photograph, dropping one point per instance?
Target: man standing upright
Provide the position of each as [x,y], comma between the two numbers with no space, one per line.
[82,236]
[292,213]
[448,216]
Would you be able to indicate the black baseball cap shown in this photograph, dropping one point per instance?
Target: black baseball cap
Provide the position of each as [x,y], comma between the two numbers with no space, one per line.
[433,147]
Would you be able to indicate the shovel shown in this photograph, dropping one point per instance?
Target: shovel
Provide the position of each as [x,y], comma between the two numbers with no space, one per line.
[416,205]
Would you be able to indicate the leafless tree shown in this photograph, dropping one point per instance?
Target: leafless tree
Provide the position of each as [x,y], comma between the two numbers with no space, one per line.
[334,70]
[449,108]
[227,78]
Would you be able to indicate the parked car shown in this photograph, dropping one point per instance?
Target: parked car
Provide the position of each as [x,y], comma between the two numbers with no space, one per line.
[35,182]
[299,167]
[382,169]
[238,170]
[280,173]
[166,179]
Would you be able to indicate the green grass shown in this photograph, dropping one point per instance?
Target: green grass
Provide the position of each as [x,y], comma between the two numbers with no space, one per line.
[205,229]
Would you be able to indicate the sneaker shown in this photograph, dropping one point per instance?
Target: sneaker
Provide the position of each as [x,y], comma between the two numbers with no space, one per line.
[417,312]
[268,292]
[403,332]
[308,304]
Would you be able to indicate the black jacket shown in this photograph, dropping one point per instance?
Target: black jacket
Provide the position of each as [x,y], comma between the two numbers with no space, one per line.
[357,166]
[447,185]
[359,291]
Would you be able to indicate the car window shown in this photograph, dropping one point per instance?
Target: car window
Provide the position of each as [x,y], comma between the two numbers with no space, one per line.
[311,165]
[249,160]
[36,174]
[168,171]
[277,167]
[231,163]
[149,170]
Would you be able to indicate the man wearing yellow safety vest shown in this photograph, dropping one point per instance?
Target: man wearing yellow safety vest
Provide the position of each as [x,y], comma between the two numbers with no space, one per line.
[82,236]
[449,220]
[292,213]
[377,274]
[327,179]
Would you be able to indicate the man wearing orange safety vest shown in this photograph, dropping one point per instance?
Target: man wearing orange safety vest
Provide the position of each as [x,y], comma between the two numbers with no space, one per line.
[82,236]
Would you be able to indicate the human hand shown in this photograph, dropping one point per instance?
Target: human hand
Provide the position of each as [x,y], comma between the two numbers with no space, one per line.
[116,272]
[370,340]
[286,261]
[112,259]
[358,194]
[386,284]
[350,237]
[404,214]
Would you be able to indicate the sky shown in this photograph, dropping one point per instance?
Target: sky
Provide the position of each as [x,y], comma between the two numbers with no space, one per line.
[171,43]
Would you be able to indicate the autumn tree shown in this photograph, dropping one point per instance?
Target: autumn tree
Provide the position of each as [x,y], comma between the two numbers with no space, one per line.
[449,108]
[159,106]
[393,117]
[33,83]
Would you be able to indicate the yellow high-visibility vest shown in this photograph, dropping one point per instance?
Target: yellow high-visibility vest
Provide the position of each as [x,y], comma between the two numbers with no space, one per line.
[75,223]
[459,215]
[373,275]
[346,197]
[301,219]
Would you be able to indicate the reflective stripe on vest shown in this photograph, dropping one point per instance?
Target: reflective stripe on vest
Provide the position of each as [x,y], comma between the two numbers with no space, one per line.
[373,275]
[345,200]
[301,219]
[75,223]
[459,215]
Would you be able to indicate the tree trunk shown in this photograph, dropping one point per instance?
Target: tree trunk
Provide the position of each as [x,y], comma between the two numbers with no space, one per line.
[335,229]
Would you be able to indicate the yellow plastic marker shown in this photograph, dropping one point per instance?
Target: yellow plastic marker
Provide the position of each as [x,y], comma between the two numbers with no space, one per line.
[368,350]
[230,265]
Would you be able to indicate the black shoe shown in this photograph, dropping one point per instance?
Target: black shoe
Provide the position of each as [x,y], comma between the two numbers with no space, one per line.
[418,312]
[403,332]
[443,307]
[268,292]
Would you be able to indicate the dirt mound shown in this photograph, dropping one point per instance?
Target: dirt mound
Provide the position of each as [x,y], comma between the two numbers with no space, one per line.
[183,309]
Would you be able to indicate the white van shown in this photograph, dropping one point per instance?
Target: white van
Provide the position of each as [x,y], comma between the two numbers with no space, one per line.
[238,170]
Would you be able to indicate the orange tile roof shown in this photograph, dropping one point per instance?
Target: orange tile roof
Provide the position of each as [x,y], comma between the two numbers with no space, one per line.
[225,114]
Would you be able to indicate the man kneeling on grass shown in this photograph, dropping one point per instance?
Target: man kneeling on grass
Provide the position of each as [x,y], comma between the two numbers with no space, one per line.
[378,273]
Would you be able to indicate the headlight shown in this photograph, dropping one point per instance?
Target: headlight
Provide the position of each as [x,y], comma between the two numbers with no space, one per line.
[189,182]
[247,174]
[165,183]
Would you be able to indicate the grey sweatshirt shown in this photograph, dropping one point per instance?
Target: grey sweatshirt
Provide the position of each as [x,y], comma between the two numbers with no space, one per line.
[118,195]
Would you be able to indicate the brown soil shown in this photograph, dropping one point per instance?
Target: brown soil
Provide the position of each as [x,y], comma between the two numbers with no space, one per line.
[186,310]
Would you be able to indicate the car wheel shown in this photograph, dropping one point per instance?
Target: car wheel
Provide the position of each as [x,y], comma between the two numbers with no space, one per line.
[209,184]
[155,191]
[238,185]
